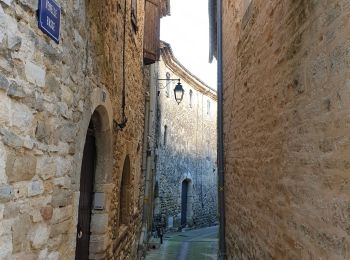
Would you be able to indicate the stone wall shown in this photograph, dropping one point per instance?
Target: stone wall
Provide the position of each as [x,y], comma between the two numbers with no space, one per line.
[188,152]
[287,132]
[48,94]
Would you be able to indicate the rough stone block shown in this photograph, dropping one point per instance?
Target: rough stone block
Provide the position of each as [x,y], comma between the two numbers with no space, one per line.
[35,188]
[22,117]
[98,243]
[5,246]
[53,256]
[62,214]
[64,110]
[20,167]
[46,167]
[5,106]
[43,254]
[14,42]
[50,52]
[6,192]
[39,235]
[62,182]
[53,84]
[4,83]
[28,143]
[67,95]
[61,198]
[20,189]
[15,90]
[20,230]
[35,74]
[99,223]
[60,228]
[67,132]
[44,131]
[5,227]
[64,166]
[11,210]
[11,139]
[46,213]
[26,256]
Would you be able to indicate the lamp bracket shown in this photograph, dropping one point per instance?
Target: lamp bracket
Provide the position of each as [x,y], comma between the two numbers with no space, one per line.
[167,84]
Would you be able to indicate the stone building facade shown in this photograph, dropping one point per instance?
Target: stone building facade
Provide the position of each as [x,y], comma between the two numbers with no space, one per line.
[55,99]
[286,128]
[186,183]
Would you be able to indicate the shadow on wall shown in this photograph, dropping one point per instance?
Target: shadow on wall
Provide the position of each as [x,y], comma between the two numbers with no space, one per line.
[187,190]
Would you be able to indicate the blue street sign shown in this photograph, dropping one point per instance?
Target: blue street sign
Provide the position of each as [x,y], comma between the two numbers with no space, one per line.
[50,18]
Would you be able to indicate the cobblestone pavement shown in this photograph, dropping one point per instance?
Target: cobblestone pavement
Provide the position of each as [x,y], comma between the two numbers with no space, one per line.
[201,244]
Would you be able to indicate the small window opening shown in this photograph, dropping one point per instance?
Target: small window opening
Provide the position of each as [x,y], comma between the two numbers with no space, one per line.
[165,135]
[208,150]
[191,98]
[208,107]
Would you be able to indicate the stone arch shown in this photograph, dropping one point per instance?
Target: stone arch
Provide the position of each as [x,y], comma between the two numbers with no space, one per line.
[125,198]
[99,112]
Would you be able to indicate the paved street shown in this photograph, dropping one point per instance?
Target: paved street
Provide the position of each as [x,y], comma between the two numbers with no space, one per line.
[201,244]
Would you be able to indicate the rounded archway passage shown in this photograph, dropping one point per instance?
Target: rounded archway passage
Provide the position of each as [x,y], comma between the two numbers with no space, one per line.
[186,203]
[94,180]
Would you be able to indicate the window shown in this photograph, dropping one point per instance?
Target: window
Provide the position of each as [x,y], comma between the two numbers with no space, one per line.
[208,107]
[165,135]
[168,82]
[134,14]
[124,194]
[191,98]
[208,150]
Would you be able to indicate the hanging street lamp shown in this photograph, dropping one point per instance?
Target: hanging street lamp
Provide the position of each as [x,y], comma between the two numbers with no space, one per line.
[178,90]
[179,93]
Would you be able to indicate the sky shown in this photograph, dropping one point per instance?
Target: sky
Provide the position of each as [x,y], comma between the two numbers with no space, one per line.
[187,31]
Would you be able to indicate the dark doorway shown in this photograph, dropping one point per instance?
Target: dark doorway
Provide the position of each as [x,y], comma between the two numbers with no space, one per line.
[86,193]
[184,202]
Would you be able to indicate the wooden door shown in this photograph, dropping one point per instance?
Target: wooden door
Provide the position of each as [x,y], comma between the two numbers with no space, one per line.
[85,200]
[184,195]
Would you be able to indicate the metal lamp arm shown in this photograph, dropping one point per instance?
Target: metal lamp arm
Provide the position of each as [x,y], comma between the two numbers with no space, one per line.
[167,82]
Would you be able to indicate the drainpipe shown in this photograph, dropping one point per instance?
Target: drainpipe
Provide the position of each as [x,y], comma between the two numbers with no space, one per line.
[148,157]
[221,194]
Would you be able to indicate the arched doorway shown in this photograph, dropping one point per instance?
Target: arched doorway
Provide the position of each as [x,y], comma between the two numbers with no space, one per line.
[185,201]
[87,176]
[94,183]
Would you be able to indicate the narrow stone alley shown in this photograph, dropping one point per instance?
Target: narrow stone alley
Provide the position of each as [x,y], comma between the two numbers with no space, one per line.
[198,244]
[115,129]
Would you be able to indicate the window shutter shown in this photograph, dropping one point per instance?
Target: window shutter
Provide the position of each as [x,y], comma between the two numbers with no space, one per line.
[134,14]
[151,33]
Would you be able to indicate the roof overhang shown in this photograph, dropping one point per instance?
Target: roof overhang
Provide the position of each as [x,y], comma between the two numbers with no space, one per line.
[173,64]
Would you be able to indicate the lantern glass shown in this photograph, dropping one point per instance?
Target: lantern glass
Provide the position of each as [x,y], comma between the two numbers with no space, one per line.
[179,93]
